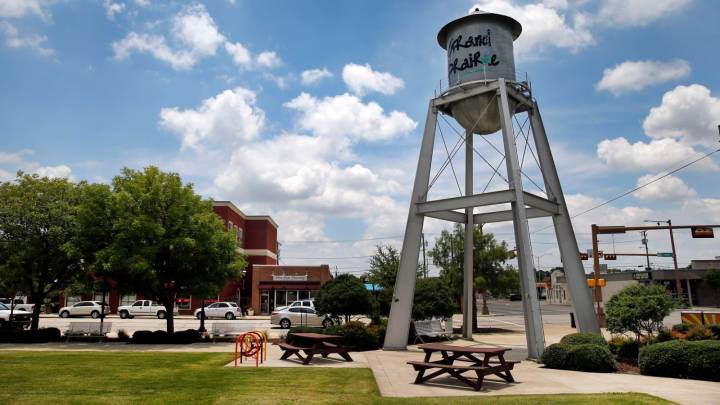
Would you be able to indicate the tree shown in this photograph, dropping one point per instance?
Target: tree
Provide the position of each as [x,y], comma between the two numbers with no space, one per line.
[165,239]
[488,259]
[37,229]
[712,279]
[432,298]
[384,266]
[639,309]
[344,295]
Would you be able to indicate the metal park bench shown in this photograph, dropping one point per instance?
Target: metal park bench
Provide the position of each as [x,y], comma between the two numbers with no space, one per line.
[88,329]
[231,329]
[432,328]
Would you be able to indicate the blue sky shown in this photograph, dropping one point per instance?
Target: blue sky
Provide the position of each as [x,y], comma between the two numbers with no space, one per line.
[312,112]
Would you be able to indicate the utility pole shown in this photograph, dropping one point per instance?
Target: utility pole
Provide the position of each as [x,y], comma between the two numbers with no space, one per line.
[678,284]
[647,255]
[596,269]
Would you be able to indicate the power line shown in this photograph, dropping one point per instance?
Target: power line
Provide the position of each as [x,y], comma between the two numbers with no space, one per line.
[621,195]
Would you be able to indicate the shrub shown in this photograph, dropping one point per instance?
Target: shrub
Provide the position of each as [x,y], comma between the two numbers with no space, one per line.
[715,329]
[344,295]
[681,327]
[591,357]
[699,332]
[123,336]
[43,335]
[556,356]
[639,309]
[356,335]
[142,337]
[583,338]
[160,337]
[663,335]
[432,298]
[186,336]
[379,332]
[705,361]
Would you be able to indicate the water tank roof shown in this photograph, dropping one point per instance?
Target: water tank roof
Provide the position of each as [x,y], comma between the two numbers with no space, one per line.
[514,25]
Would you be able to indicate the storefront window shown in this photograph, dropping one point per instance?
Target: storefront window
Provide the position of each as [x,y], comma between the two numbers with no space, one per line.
[292,296]
[183,303]
[281,299]
[128,299]
[303,295]
[264,302]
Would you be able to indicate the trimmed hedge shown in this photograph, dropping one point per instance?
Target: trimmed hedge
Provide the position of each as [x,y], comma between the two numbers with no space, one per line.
[625,348]
[161,337]
[583,338]
[681,327]
[579,357]
[43,335]
[682,359]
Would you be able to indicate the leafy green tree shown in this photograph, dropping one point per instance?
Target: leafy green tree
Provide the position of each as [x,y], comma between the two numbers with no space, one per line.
[165,239]
[37,230]
[344,295]
[384,266]
[432,298]
[639,309]
[712,280]
[489,257]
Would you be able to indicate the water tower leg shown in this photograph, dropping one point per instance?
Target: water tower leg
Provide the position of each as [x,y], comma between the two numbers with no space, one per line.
[398,327]
[531,306]
[468,295]
[569,252]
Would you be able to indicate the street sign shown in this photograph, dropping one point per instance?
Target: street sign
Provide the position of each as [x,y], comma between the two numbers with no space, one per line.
[645,275]
[702,232]
[664,254]
[609,256]
[583,256]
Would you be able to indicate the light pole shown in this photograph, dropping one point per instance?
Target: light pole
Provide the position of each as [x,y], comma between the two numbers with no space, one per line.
[647,255]
[202,316]
[678,285]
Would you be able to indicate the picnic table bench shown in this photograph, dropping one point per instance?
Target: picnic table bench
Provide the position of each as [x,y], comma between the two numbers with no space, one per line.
[450,353]
[321,344]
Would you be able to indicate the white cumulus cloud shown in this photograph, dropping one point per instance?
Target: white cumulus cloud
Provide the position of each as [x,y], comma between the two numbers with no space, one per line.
[658,154]
[313,76]
[239,53]
[666,189]
[638,12]
[112,8]
[227,119]
[362,79]
[34,42]
[11,162]
[347,115]
[21,8]
[637,75]
[545,25]
[195,36]
[689,113]
[269,59]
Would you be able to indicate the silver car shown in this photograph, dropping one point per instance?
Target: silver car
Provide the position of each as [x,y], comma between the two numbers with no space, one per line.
[83,308]
[227,310]
[299,316]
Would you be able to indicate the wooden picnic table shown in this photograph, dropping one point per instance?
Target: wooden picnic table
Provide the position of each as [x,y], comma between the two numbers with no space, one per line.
[488,365]
[321,344]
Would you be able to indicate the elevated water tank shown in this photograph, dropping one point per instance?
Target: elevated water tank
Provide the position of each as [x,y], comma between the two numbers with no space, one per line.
[479,48]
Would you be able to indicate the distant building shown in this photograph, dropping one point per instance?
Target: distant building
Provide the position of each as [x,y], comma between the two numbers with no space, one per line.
[692,280]
[274,286]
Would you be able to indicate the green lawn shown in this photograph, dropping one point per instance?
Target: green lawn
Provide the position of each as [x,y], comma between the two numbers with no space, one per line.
[134,377]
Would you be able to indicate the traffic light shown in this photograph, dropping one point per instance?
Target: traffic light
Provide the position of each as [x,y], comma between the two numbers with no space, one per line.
[610,256]
[583,256]
[702,232]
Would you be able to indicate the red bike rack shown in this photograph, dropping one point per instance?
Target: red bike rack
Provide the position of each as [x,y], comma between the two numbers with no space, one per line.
[251,345]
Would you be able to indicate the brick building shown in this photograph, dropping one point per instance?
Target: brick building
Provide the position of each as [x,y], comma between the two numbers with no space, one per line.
[274,286]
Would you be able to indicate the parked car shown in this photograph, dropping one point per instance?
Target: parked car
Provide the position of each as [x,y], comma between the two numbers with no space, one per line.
[515,297]
[19,317]
[18,304]
[83,308]
[227,310]
[142,308]
[300,303]
[300,315]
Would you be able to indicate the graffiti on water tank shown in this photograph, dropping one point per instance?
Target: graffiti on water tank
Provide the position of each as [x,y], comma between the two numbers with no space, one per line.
[473,59]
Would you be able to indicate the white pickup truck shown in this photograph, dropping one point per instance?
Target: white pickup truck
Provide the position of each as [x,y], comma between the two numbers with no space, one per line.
[18,304]
[142,308]
[19,317]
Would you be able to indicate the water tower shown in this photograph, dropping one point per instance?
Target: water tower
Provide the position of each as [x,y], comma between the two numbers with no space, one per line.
[484,96]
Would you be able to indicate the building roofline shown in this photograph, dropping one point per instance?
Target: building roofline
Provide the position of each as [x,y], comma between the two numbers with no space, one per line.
[234,208]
